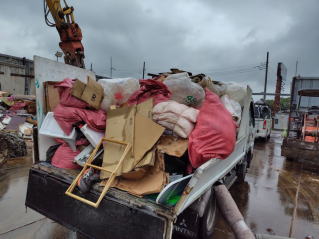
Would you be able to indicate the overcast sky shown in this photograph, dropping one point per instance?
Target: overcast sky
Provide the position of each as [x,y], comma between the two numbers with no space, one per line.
[225,39]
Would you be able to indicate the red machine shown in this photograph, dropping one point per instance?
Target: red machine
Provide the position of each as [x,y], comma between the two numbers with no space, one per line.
[69,31]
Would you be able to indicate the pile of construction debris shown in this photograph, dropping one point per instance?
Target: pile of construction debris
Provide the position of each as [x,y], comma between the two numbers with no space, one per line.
[99,127]
[17,119]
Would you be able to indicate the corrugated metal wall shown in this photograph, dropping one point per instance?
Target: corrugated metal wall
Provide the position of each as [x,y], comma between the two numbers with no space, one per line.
[305,83]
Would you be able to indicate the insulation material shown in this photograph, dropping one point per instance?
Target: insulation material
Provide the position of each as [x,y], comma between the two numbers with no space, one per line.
[175,116]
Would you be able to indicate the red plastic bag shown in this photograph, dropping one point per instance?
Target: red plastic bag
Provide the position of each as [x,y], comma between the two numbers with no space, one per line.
[150,88]
[64,155]
[214,135]
[66,99]
[68,116]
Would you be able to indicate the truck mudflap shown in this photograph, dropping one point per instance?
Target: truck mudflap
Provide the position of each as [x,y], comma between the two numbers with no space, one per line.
[46,195]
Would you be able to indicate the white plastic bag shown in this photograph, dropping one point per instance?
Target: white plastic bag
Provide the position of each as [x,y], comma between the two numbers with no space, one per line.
[185,91]
[117,91]
[233,107]
[236,92]
[217,87]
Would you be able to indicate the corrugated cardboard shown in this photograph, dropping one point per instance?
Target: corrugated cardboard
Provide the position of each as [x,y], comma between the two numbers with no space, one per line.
[92,92]
[51,96]
[172,145]
[78,88]
[154,180]
[128,125]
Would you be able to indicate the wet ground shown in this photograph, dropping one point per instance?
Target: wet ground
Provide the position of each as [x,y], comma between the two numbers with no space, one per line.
[269,195]
[267,199]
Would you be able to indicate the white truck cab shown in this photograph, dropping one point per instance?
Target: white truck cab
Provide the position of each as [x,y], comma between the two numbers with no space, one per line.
[263,120]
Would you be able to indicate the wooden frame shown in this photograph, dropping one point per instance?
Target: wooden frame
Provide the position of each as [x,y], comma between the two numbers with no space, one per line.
[89,164]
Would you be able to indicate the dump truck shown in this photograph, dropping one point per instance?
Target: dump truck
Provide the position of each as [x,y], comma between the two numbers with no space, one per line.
[302,140]
[122,215]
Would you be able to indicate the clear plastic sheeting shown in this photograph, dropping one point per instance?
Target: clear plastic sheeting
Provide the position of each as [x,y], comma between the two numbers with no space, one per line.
[233,107]
[236,92]
[185,91]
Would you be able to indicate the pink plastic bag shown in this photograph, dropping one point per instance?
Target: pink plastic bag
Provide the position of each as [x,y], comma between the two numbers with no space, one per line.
[64,156]
[149,89]
[66,99]
[18,106]
[214,135]
[68,116]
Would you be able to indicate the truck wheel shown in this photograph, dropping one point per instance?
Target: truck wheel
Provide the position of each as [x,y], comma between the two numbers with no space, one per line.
[241,171]
[207,222]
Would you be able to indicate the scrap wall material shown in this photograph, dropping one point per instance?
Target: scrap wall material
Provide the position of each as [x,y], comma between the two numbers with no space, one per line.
[48,70]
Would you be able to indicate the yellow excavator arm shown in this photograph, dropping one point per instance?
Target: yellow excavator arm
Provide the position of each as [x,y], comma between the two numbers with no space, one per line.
[69,31]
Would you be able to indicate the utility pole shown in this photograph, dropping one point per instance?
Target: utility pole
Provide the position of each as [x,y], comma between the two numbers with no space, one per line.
[111,68]
[296,68]
[143,69]
[266,76]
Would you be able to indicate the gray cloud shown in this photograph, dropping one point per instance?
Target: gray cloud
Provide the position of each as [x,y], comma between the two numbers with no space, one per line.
[223,38]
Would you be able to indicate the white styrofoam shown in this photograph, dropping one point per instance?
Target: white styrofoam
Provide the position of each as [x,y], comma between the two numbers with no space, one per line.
[50,127]
[94,137]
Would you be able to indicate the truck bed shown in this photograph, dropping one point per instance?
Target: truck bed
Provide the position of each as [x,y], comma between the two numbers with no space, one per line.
[118,211]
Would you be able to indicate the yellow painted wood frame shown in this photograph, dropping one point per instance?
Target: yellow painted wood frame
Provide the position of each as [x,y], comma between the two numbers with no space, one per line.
[89,164]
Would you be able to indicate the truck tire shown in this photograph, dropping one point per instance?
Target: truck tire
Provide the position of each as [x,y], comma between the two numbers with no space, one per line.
[207,222]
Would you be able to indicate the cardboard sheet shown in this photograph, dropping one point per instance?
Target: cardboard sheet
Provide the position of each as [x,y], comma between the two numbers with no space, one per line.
[120,126]
[153,182]
[51,96]
[172,146]
[147,133]
[128,125]
[92,92]
[78,88]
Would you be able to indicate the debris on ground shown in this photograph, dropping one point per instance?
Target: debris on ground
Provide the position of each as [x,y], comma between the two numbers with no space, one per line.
[17,119]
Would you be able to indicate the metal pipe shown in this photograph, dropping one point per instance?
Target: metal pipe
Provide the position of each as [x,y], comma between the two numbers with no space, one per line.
[231,213]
